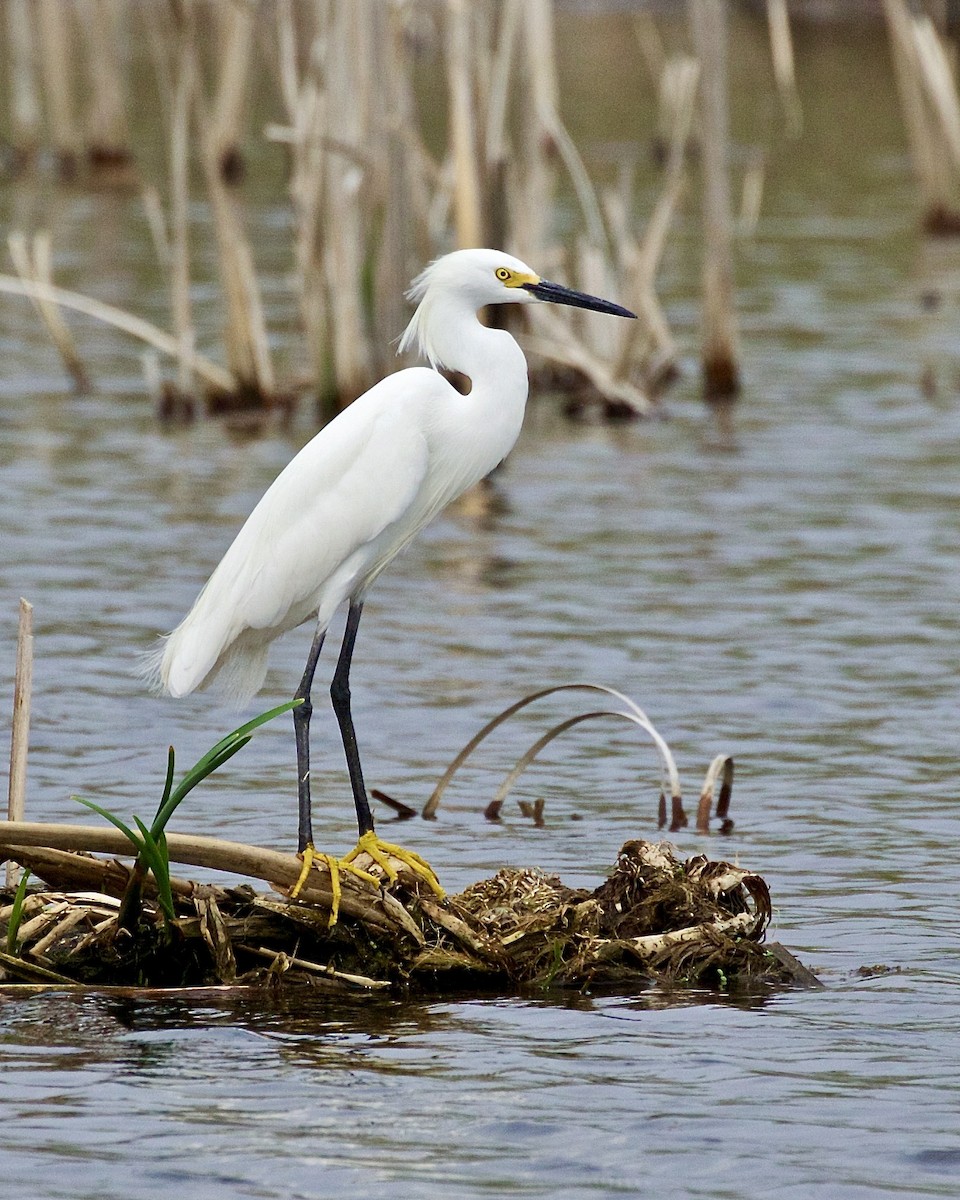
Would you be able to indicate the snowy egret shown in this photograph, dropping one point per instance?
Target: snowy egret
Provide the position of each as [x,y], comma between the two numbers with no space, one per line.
[354,497]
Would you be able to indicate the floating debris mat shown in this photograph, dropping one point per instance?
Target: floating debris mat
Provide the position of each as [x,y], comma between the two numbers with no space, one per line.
[655,919]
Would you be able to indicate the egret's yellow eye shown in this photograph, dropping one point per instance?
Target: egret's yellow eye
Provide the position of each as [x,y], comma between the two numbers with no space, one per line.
[503,274]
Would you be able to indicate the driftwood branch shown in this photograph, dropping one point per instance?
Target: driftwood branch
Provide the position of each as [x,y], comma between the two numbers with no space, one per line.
[280,870]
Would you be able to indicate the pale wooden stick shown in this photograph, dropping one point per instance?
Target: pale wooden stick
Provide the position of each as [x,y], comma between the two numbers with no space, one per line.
[20,735]
[354,982]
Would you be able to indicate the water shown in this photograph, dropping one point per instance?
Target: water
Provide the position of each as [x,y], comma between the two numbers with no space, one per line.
[789,596]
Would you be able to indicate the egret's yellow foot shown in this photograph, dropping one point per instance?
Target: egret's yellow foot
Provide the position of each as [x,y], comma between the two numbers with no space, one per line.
[381,852]
[311,856]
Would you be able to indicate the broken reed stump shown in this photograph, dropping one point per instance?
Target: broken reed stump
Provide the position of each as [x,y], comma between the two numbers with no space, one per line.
[655,919]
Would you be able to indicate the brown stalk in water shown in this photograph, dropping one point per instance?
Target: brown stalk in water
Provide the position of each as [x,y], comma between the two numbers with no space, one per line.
[720,769]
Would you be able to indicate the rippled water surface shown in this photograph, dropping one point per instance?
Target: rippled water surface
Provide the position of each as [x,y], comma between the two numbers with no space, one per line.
[788,594]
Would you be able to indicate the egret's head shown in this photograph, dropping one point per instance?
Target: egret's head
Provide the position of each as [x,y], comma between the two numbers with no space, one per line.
[475,278]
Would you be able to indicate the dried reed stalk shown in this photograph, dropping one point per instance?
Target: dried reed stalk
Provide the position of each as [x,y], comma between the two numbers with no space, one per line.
[403,176]
[34,266]
[460,37]
[502,69]
[247,343]
[752,194]
[559,345]
[719,334]
[545,739]
[333,153]
[184,83]
[24,97]
[303,100]
[640,263]
[650,44]
[551,131]
[20,726]
[934,170]
[214,375]
[939,84]
[236,27]
[610,358]
[633,713]
[720,769]
[781,53]
[108,133]
[354,27]
[534,163]
[56,66]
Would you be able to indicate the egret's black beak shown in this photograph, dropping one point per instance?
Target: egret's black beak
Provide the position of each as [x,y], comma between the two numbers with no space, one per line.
[556,294]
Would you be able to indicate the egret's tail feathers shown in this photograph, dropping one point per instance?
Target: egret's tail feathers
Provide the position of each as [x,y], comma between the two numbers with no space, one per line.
[238,673]
[188,657]
[241,669]
[150,667]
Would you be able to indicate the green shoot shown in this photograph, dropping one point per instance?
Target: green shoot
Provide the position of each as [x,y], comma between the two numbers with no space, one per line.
[151,843]
[16,915]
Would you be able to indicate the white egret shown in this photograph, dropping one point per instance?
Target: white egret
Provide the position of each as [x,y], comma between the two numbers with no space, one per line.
[355,496]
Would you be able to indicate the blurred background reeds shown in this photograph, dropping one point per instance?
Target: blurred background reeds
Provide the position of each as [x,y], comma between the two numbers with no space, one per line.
[386,132]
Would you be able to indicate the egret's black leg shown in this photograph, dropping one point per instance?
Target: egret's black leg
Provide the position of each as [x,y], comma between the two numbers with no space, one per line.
[301,727]
[383,854]
[340,695]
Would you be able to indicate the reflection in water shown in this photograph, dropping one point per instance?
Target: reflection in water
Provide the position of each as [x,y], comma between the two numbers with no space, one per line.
[470,557]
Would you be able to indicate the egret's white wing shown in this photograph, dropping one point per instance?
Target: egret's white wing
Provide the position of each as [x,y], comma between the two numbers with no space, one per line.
[310,533]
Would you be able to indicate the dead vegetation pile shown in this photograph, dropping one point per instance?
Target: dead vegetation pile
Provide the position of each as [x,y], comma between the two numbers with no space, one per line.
[654,919]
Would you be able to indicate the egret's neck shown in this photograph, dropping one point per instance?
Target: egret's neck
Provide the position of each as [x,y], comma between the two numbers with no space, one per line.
[480,428]
[490,358]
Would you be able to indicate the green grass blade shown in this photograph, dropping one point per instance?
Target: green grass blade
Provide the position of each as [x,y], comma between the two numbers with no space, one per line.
[250,726]
[159,864]
[244,731]
[190,781]
[214,758]
[16,915]
[114,820]
[205,765]
[151,845]
[168,782]
[209,764]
